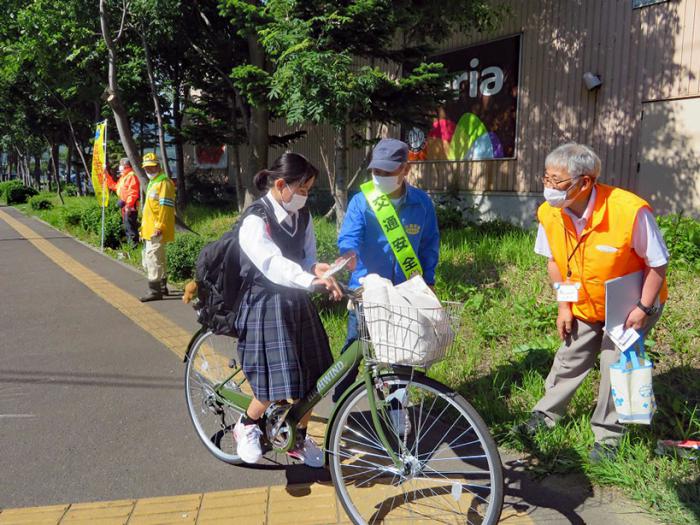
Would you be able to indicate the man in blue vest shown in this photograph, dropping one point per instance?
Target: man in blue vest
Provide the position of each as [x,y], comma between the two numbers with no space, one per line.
[404,242]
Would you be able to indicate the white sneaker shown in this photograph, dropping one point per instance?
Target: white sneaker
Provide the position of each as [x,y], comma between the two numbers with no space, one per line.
[308,452]
[247,441]
[401,423]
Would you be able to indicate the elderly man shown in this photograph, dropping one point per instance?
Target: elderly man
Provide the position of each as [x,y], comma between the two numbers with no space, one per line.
[157,227]
[390,229]
[128,190]
[592,232]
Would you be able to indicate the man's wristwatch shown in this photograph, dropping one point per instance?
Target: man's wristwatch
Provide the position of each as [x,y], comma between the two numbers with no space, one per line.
[649,310]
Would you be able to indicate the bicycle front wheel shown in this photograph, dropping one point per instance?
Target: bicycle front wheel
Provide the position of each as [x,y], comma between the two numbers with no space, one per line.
[211,362]
[449,468]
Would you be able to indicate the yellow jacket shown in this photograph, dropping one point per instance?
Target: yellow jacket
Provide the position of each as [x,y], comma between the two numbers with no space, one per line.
[159,209]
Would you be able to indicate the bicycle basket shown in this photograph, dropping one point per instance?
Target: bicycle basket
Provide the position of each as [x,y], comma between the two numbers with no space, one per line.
[407,335]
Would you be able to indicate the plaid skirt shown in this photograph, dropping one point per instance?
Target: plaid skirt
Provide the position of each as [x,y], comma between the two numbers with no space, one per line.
[282,345]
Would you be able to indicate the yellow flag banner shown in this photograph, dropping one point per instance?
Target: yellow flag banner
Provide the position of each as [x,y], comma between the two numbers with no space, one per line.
[99,164]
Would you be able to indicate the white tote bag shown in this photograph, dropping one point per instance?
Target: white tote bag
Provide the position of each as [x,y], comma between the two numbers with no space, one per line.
[631,385]
[406,322]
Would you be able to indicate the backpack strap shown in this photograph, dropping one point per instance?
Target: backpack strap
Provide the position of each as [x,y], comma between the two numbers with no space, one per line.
[259,208]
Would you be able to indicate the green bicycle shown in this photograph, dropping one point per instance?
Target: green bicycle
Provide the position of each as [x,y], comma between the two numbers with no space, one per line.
[398,444]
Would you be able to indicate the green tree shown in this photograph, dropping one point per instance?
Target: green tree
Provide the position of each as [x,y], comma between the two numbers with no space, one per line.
[44,100]
[351,62]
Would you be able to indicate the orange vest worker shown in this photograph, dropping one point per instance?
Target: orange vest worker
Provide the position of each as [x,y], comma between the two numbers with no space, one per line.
[605,251]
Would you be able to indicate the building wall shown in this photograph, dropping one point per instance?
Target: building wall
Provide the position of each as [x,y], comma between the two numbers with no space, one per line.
[641,55]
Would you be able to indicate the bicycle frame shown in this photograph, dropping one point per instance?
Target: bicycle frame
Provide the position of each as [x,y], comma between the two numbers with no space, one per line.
[328,380]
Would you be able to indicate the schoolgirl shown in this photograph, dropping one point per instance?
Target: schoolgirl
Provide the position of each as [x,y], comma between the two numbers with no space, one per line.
[282,344]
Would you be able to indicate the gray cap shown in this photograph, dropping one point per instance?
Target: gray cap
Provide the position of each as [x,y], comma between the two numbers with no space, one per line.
[389,154]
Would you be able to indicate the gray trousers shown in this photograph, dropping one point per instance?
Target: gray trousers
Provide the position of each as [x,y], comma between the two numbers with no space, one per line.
[572,362]
[153,259]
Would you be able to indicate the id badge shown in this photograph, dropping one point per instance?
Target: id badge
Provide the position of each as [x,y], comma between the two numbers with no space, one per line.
[567,292]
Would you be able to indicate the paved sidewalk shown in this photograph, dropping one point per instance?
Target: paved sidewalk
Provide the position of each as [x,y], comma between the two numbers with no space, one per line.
[557,499]
[299,505]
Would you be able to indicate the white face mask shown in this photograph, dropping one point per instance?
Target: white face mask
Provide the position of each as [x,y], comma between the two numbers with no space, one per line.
[151,175]
[388,184]
[558,198]
[296,203]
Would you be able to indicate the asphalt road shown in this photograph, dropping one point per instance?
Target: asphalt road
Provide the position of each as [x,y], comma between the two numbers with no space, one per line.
[91,406]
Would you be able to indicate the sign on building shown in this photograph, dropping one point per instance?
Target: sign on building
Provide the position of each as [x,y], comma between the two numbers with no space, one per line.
[481,121]
[210,157]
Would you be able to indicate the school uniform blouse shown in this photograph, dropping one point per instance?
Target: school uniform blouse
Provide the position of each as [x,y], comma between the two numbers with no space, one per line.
[256,243]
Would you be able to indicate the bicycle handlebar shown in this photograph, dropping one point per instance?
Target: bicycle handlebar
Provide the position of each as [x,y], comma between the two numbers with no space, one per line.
[347,292]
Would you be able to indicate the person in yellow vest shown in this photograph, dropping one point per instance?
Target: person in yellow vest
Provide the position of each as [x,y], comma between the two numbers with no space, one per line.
[157,226]
[592,232]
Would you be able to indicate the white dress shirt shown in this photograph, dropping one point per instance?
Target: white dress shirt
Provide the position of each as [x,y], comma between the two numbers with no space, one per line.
[647,241]
[256,243]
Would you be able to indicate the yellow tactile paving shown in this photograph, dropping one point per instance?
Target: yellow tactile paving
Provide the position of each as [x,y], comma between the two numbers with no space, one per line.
[148,318]
[307,504]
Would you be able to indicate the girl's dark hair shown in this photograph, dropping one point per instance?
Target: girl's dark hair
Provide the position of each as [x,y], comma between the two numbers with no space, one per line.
[290,167]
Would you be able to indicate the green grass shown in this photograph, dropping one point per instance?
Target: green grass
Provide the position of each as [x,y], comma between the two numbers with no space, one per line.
[505,350]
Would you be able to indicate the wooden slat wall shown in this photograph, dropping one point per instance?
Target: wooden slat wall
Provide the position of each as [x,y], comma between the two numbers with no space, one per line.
[641,55]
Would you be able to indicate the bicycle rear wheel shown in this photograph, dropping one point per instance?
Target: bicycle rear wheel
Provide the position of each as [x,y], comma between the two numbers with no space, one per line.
[211,362]
[450,470]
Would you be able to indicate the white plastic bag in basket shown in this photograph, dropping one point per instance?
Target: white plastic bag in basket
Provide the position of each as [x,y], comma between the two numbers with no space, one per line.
[406,323]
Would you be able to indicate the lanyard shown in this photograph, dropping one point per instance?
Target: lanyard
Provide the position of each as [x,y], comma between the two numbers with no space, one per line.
[567,234]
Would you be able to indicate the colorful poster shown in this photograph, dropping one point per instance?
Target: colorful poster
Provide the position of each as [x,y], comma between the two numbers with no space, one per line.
[99,164]
[480,122]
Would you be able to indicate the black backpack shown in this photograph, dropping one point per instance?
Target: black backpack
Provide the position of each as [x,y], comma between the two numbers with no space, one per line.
[219,280]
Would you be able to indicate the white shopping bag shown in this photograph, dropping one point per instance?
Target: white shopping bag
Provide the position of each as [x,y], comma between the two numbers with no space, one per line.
[406,323]
[631,385]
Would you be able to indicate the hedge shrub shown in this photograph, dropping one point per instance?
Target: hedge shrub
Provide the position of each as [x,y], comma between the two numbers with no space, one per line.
[182,255]
[71,215]
[449,217]
[91,221]
[5,187]
[40,202]
[682,236]
[69,190]
[19,194]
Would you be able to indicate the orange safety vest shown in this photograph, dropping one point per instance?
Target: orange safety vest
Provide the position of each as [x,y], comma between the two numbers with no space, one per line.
[605,251]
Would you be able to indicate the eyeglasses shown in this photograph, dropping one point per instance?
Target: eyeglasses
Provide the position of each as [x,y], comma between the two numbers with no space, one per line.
[555,182]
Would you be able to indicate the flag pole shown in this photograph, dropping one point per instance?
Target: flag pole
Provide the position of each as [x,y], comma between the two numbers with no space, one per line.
[104,181]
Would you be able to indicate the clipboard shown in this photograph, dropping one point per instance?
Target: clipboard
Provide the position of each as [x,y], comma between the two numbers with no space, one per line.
[621,297]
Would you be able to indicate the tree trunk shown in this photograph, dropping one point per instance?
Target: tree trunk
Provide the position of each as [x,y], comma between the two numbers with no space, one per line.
[37,170]
[235,176]
[182,197]
[79,148]
[54,170]
[114,100]
[12,165]
[258,128]
[240,188]
[156,105]
[340,162]
[69,162]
